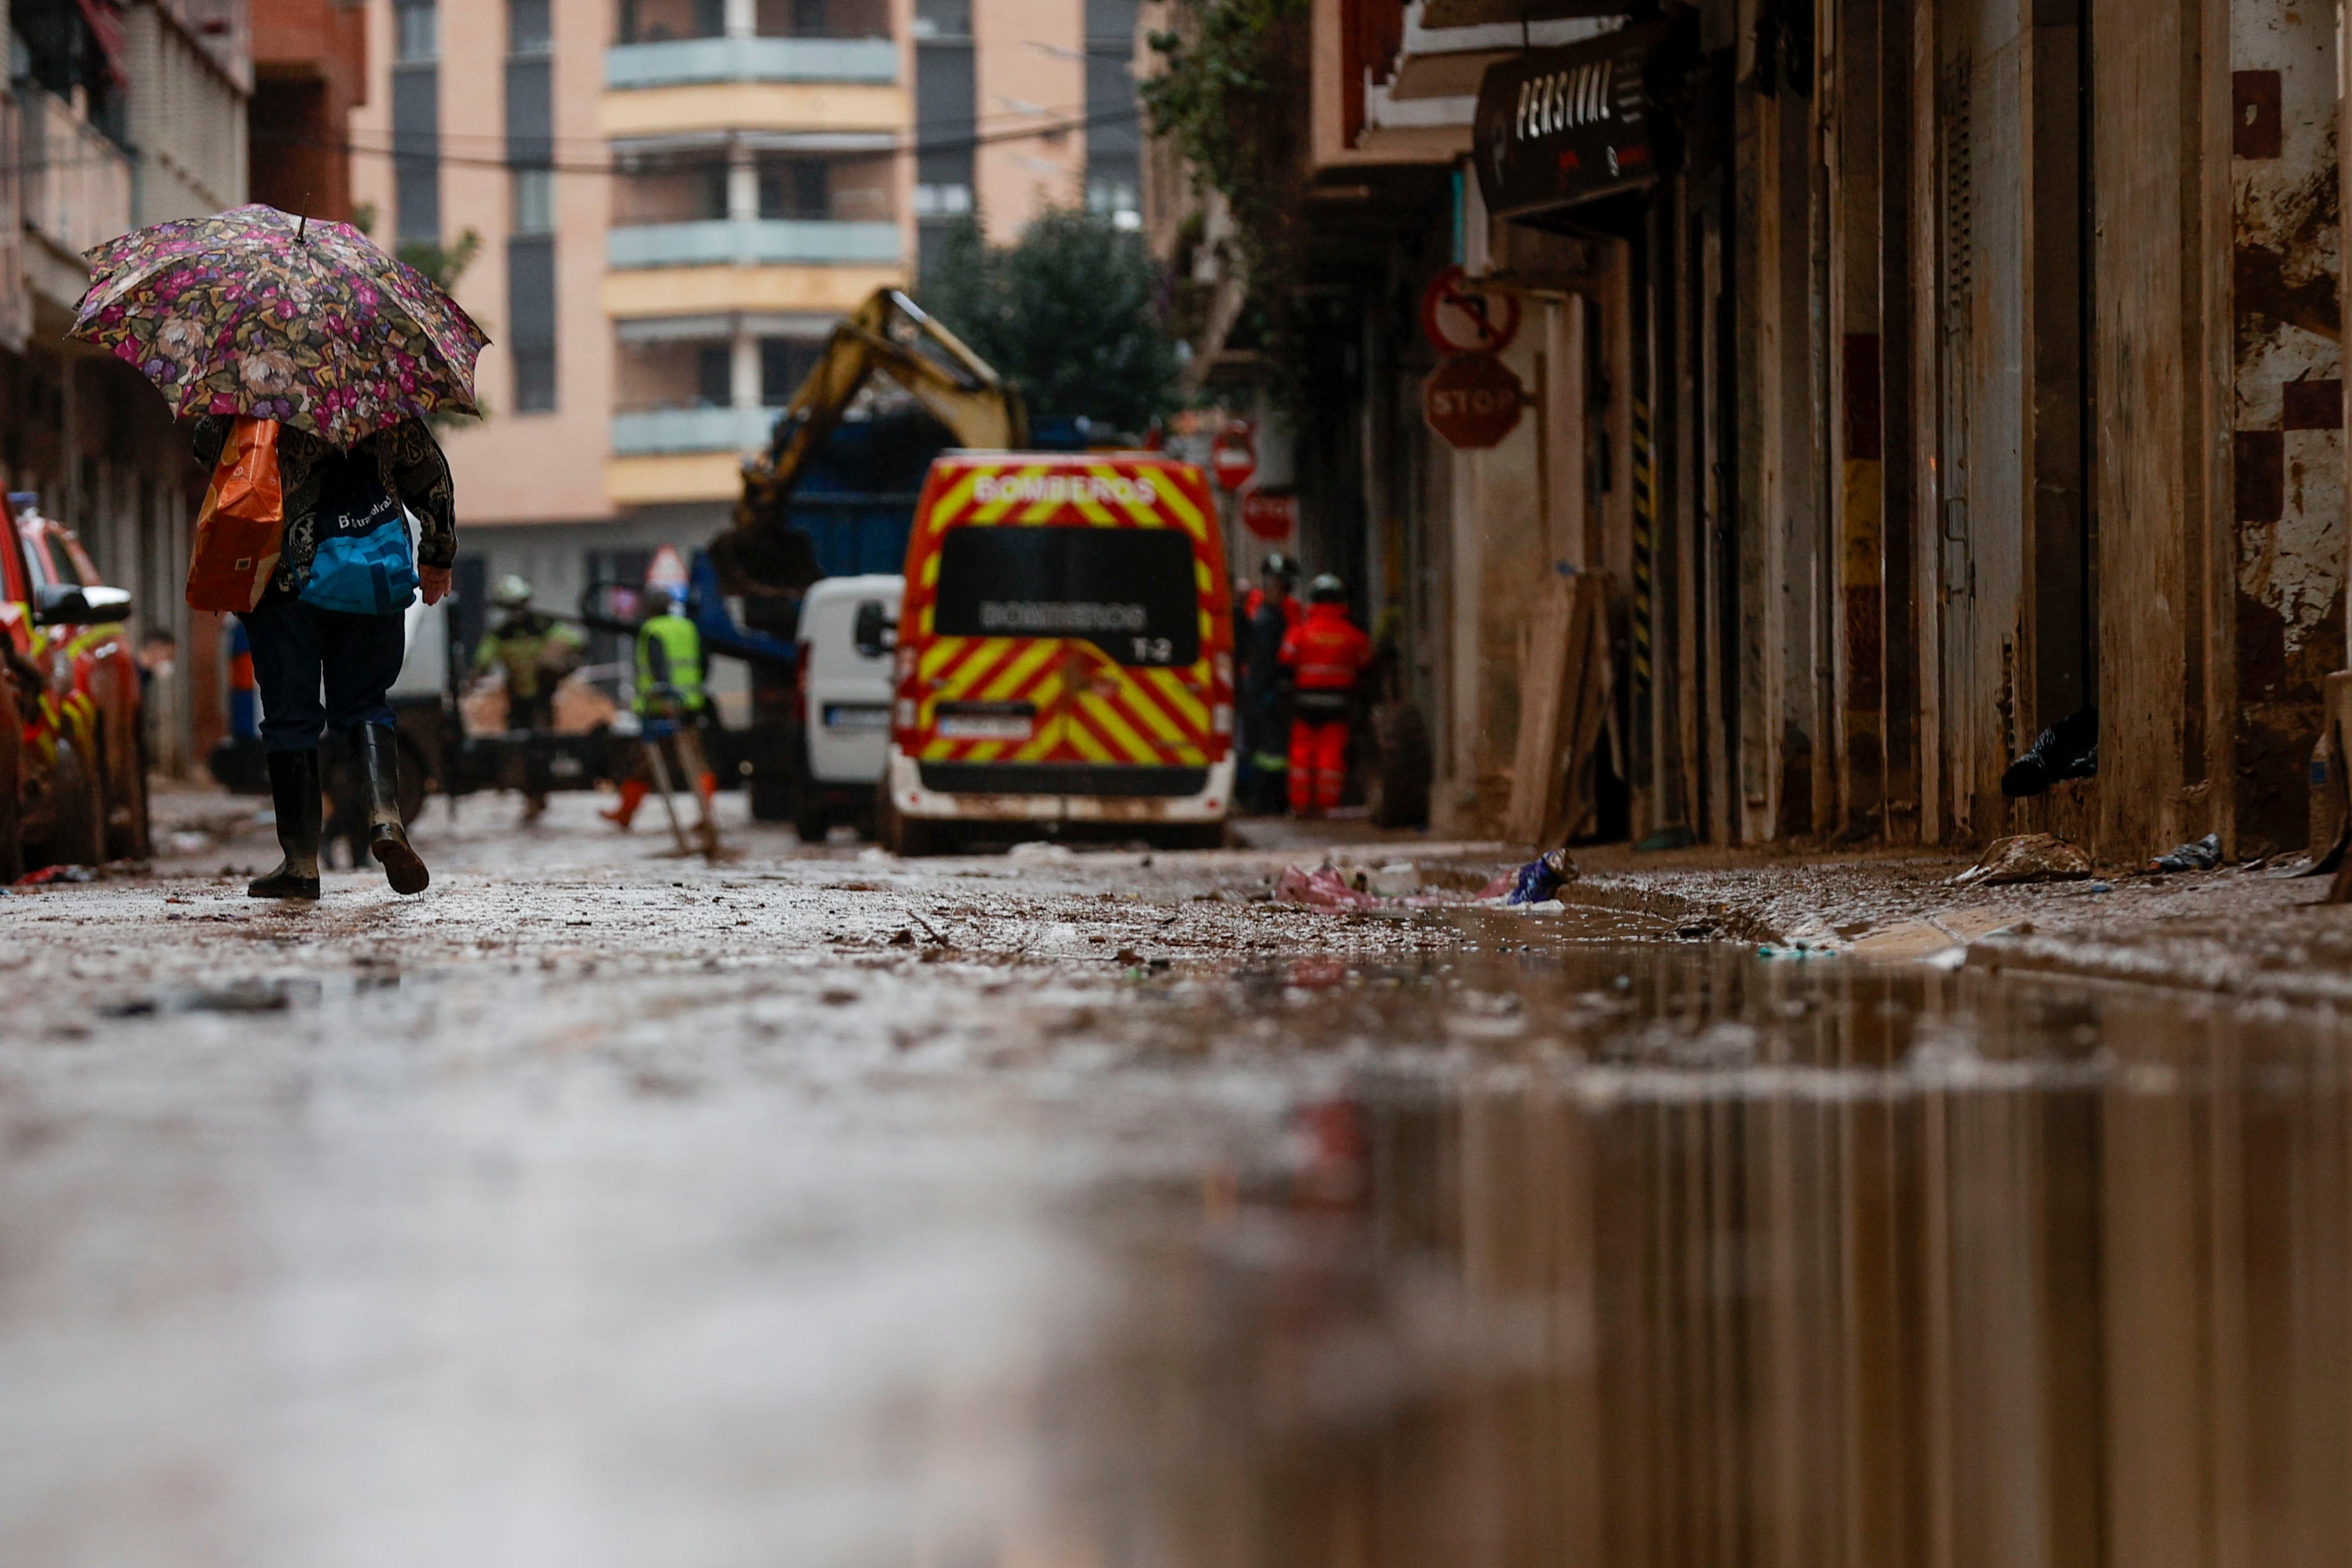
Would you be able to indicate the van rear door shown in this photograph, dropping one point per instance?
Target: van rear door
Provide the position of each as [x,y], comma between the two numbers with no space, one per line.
[1069,628]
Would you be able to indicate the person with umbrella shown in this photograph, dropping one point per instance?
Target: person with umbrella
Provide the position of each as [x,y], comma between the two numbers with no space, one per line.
[256,315]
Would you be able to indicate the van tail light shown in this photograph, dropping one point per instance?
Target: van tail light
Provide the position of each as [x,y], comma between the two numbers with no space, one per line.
[800,685]
[906,671]
[1221,719]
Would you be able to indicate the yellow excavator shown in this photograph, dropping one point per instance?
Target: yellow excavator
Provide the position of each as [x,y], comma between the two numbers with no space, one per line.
[765,563]
[762,554]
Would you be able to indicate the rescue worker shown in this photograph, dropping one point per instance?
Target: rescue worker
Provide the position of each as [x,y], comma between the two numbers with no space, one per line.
[670,702]
[1270,613]
[1324,654]
[534,652]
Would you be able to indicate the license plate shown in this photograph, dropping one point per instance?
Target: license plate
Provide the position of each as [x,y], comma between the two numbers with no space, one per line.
[985,721]
[980,727]
[857,716]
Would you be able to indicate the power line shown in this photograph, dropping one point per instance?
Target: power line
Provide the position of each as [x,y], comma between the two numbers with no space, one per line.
[1034,133]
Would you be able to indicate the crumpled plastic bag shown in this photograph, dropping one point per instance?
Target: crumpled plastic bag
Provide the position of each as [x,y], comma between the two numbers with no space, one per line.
[2026,858]
[1539,878]
[2203,855]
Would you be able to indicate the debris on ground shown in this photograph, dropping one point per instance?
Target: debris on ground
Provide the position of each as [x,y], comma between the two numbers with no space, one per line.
[2067,750]
[50,874]
[2026,858]
[1539,878]
[2203,855]
[1330,887]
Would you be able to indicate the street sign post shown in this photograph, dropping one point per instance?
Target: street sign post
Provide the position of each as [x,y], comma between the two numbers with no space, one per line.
[1458,318]
[1233,456]
[1273,517]
[1473,400]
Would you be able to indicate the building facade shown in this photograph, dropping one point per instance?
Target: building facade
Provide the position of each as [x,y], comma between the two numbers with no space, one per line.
[664,206]
[115,116]
[1920,373]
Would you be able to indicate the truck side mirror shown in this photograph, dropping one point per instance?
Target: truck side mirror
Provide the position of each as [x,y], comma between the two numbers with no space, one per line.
[58,605]
[876,633]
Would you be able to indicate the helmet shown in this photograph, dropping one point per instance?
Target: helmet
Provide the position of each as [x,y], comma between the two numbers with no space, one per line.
[1277,564]
[1327,589]
[513,593]
[655,601]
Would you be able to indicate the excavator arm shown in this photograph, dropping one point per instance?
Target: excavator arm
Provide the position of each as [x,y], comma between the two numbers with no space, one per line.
[890,334]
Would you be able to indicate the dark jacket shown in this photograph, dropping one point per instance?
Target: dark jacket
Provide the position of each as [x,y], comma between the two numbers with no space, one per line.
[408,464]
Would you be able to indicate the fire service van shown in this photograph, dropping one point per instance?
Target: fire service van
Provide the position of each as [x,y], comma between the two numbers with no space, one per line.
[1064,655]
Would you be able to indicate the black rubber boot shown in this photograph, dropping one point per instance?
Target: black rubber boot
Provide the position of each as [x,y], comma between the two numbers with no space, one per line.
[294,793]
[387,839]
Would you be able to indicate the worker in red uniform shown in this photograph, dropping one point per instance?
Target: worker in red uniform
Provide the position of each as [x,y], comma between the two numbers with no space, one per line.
[1324,654]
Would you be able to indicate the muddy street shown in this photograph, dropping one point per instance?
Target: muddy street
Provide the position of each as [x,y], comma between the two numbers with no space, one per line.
[604,1206]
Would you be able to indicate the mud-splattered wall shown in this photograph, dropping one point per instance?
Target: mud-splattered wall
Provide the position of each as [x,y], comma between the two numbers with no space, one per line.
[2288,415]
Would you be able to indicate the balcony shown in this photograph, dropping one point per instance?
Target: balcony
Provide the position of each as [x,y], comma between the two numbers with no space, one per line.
[77,195]
[661,432]
[754,242]
[696,62]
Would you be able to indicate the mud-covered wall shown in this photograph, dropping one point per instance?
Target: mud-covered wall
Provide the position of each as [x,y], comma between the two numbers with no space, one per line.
[2288,413]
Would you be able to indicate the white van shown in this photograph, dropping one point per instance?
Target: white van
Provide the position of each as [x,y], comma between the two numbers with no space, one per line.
[845,697]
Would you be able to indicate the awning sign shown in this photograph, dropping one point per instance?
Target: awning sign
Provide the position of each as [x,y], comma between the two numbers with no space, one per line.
[1560,127]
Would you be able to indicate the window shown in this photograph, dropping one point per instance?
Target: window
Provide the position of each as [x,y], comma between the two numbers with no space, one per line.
[416,153]
[943,201]
[942,18]
[1129,591]
[784,363]
[531,321]
[531,30]
[534,201]
[714,378]
[415,39]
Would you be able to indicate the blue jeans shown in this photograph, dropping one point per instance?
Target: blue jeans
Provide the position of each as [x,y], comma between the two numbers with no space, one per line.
[300,653]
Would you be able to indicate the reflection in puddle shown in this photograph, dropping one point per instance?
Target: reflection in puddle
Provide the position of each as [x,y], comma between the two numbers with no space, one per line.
[1708,1260]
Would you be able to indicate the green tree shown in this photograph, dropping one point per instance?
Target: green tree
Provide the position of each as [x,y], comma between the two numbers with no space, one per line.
[1069,312]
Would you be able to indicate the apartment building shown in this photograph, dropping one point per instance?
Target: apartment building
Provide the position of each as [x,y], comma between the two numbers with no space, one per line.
[675,200]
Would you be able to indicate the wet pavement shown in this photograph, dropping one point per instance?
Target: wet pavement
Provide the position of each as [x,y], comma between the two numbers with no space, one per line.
[1052,1212]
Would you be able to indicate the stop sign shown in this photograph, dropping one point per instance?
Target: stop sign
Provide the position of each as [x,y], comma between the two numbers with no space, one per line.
[1473,400]
[1270,517]
[1233,457]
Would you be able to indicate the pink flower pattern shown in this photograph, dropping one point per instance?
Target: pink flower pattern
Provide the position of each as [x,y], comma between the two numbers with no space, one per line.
[252,312]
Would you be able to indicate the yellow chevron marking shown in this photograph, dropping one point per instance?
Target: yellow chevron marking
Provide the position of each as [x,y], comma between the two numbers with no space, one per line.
[1121,734]
[1016,675]
[1173,690]
[1174,499]
[1082,741]
[937,654]
[950,502]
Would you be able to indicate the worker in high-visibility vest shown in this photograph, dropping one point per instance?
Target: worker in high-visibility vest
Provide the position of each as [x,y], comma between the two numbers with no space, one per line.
[670,701]
[1324,654]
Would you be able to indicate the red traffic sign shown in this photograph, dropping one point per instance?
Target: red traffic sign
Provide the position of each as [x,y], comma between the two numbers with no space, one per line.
[1233,456]
[1273,517]
[1460,318]
[1473,400]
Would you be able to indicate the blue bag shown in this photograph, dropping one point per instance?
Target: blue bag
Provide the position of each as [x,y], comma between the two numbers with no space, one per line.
[365,563]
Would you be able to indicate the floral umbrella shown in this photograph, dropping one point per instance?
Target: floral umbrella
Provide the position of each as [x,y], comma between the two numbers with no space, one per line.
[255,311]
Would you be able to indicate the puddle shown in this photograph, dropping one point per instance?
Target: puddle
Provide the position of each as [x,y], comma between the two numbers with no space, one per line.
[1549,1250]
[1680,1256]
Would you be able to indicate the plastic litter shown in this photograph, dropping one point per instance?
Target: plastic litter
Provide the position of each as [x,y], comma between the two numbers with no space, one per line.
[2203,855]
[50,874]
[1329,887]
[1539,878]
[2067,750]
[2026,858]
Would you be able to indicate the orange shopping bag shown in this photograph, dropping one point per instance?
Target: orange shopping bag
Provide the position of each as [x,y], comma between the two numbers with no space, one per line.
[242,527]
